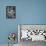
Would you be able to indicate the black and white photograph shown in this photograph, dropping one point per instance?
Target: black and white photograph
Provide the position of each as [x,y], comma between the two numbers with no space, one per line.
[10,12]
[30,35]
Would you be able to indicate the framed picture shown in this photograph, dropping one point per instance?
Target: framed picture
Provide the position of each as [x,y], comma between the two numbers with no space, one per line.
[32,32]
[10,12]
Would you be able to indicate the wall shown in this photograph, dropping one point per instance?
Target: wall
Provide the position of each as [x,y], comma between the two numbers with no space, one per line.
[27,12]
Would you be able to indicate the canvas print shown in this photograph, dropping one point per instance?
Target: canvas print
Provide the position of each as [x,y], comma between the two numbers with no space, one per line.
[10,12]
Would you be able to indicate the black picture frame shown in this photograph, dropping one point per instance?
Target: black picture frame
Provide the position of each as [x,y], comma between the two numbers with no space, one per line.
[10,12]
